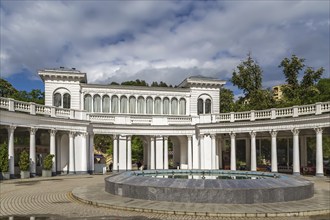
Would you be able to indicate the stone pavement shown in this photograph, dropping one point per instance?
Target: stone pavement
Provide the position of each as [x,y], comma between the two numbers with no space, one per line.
[52,197]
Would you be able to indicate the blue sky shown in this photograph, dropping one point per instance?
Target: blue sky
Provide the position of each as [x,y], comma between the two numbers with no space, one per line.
[159,40]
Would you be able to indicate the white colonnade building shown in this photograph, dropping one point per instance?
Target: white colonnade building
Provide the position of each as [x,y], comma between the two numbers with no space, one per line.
[186,116]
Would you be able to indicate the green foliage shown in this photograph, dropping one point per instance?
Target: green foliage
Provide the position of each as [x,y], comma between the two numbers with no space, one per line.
[324,90]
[137,149]
[305,91]
[8,91]
[103,143]
[135,83]
[48,162]
[226,100]
[24,161]
[248,77]
[4,162]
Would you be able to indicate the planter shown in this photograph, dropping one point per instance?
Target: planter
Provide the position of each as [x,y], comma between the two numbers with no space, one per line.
[4,176]
[46,173]
[25,174]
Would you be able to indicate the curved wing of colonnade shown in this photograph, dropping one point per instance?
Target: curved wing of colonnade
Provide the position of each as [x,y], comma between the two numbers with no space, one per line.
[197,133]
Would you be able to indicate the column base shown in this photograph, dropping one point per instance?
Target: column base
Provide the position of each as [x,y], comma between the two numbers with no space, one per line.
[33,174]
[296,174]
[71,172]
[319,175]
[275,171]
[54,173]
[81,172]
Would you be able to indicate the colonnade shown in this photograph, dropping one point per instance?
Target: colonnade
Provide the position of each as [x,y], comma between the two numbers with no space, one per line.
[85,161]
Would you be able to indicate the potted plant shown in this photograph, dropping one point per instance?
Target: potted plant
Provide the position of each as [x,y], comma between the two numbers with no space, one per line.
[4,162]
[24,165]
[47,165]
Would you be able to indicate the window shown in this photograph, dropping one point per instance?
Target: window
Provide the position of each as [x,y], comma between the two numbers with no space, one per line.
[140,105]
[158,106]
[97,103]
[114,104]
[123,104]
[166,106]
[208,106]
[57,100]
[182,106]
[88,103]
[132,104]
[174,106]
[106,104]
[149,106]
[200,106]
[66,100]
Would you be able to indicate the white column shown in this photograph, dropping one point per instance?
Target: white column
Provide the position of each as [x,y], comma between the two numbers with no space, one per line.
[152,153]
[232,151]
[296,163]
[32,152]
[201,148]
[189,151]
[115,153]
[149,152]
[274,151]
[159,153]
[11,130]
[91,152]
[84,152]
[165,152]
[248,153]
[253,135]
[71,152]
[221,145]
[52,149]
[122,156]
[196,153]
[213,153]
[319,152]
[129,153]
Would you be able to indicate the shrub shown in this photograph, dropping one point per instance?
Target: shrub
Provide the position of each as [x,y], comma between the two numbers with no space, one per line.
[24,161]
[48,162]
[4,161]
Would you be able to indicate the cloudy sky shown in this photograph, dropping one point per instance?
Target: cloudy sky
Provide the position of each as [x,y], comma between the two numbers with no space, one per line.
[159,40]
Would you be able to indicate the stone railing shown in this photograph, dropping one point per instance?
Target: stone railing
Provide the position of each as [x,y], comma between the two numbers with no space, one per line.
[36,109]
[295,111]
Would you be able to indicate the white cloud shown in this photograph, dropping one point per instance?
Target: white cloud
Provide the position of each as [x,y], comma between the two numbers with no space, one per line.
[161,40]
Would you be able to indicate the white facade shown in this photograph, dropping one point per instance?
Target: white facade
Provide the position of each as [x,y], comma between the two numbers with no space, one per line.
[188,115]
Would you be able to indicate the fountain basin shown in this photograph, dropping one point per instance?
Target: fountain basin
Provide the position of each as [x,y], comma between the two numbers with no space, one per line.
[266,189]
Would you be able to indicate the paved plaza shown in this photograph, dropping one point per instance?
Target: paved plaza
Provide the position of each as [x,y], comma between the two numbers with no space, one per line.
[56,198]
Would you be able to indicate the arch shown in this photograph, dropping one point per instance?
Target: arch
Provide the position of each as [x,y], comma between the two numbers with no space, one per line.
[114,104]
[166,106]
[123,104]
[182,106]
[88,103]
[158,106]
[132,105]
[106,103]
[174,106]
[149,105]
[66,100]
[97,103]
[200,106]
[140,105]
[57,99]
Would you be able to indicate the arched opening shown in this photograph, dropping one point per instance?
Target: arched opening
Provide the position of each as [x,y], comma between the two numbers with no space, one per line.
[200,106]
[88,103]
[208,106]
[174,106]
[166,106]
[97,103]
[114,104]
[149,106]
[132,105]
[123,104]
[57,100]
[106,104]
[140,105]
[158,106]
[66,100]
[182,106]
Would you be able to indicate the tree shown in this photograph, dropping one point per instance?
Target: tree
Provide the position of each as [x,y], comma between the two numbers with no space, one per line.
[305,91]
[226,100]
[324,90]
[248,77]
[103,143]
[137,149]
[6,89]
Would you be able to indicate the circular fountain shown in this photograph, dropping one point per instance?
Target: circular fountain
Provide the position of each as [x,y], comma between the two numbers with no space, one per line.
[209,186]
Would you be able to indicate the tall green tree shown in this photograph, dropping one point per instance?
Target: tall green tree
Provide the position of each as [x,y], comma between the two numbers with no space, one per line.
[248,76]
[323,86]
[6,89]
[305,91]
[226,100]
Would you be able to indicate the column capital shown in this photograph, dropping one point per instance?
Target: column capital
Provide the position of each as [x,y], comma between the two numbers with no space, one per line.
[189,136]
[11,128]
[165,138]
[232,134]
[273,133]
[200,136]
[295,131]
[213,136]
[253,134]
[33,130]
[129,137]
[318,130]
[52,132]
[84,134]
[114,136]
[72,133]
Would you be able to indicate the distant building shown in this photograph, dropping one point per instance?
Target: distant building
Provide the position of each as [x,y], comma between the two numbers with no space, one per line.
[278,92]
